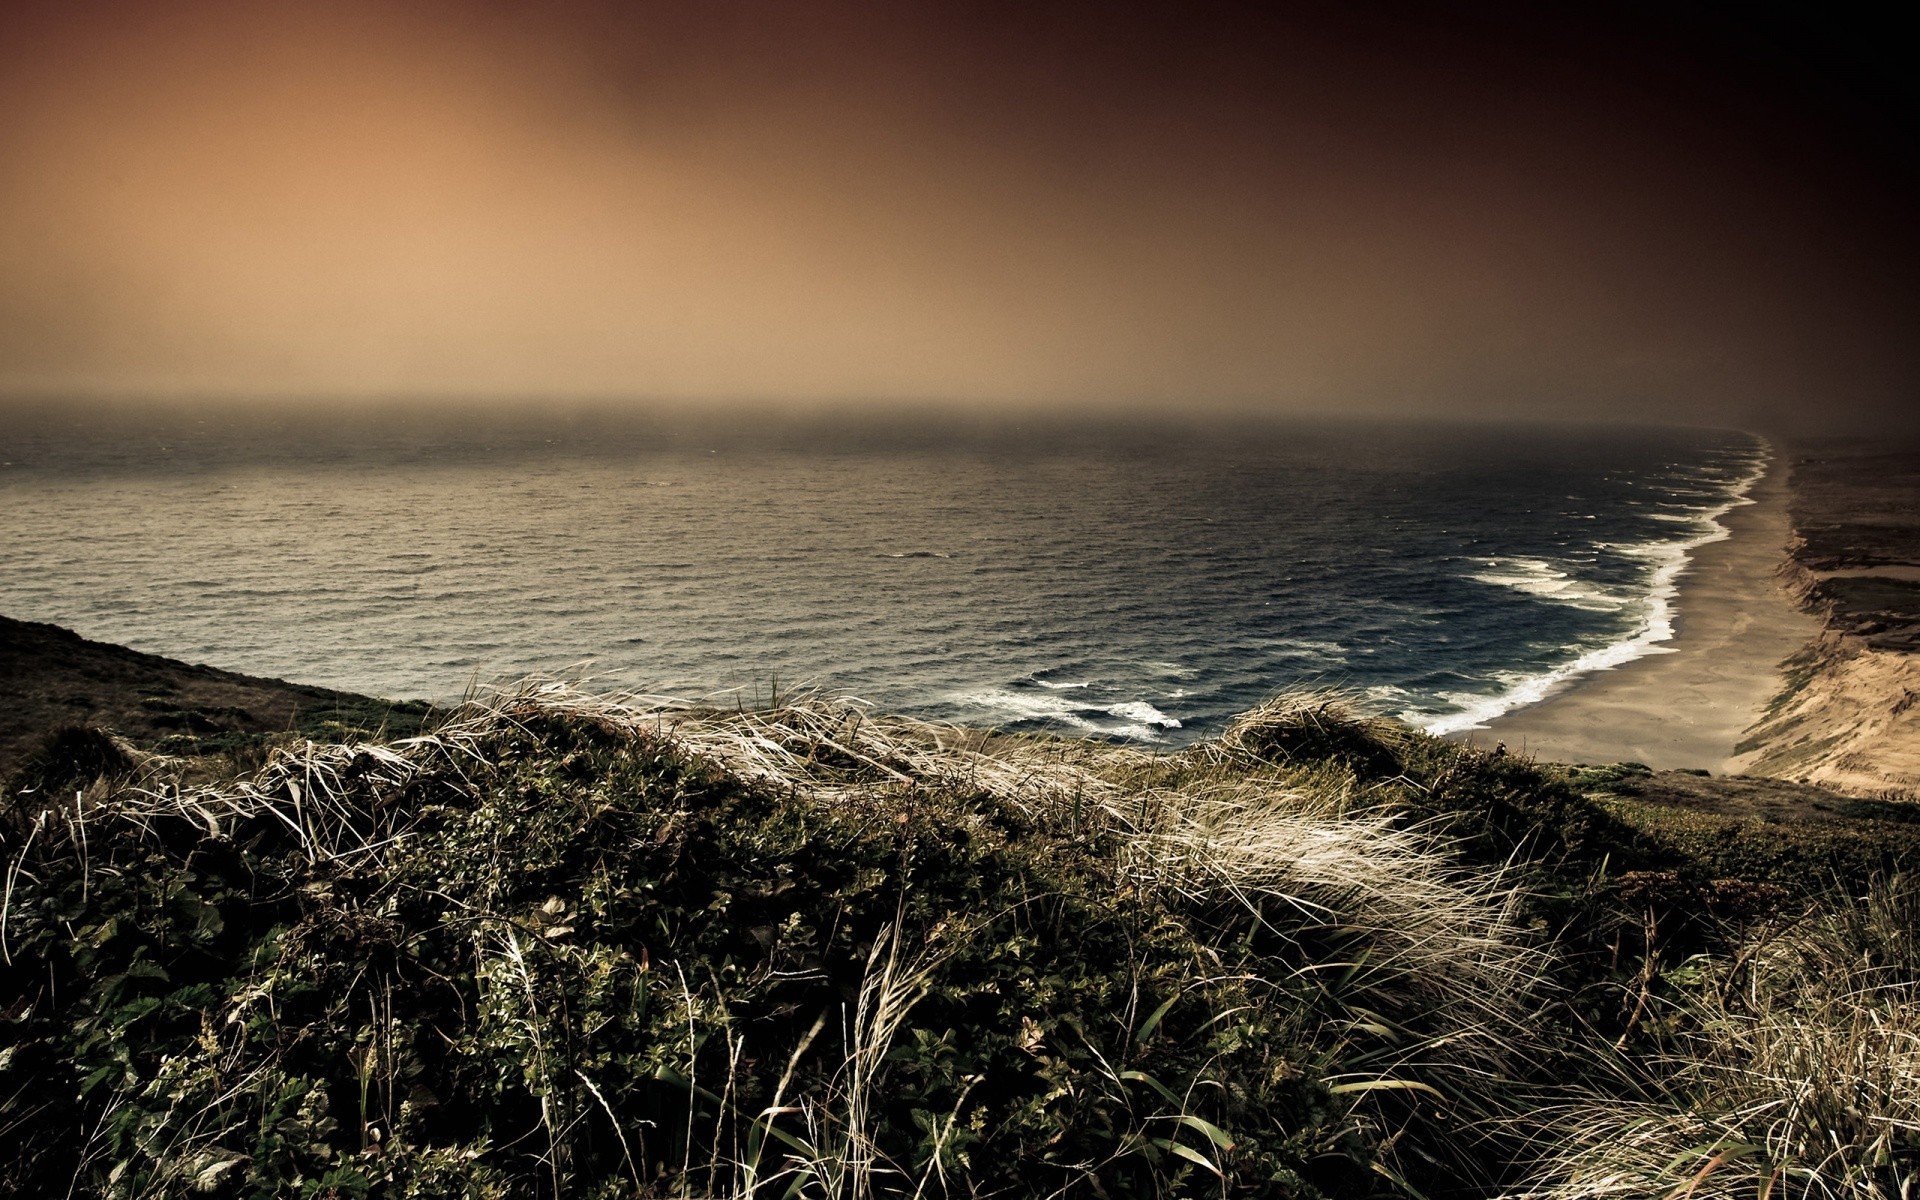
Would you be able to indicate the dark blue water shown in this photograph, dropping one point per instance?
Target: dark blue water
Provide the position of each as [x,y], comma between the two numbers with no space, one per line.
[1132,581]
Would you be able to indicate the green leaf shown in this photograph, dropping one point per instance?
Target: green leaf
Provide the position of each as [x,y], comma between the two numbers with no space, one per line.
[1190,1154]
[98,1076]
[1155,1084]
[1384,1085]
[142,968]
[1153,1020]
[1208,1129]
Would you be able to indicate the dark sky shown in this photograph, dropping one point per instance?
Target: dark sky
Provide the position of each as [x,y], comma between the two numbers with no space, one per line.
[1692,213]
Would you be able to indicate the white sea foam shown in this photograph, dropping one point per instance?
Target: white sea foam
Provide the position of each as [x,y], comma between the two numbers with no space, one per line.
[1669,559]
[1143,713]
[1023,706]
[1308,646]
[1135,720]
[1537,577]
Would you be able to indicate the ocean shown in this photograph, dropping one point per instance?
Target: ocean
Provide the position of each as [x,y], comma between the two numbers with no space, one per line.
[1127,580]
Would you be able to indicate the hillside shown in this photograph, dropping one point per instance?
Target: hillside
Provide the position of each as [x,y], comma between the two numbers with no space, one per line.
[54,678]
[561,944]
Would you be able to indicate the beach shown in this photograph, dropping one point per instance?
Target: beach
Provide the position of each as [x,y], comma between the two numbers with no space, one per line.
[1686,704]
[1851,718]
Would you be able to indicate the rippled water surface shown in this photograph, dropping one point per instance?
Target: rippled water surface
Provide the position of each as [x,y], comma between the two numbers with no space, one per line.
[1132,582]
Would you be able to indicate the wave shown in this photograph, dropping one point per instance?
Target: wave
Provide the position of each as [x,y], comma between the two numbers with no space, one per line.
[1058,687]
[1306,648]
[1144,713]
[1538,577]
[1669,560]
[1134,720]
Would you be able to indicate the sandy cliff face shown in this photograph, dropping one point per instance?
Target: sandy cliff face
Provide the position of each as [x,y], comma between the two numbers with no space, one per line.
[1852,725]
[1848,714]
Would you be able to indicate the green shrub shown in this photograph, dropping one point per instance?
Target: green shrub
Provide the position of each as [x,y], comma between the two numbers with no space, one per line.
[562,946]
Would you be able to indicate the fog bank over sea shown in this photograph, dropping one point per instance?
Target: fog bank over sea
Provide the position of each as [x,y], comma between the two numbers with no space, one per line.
[1113,579]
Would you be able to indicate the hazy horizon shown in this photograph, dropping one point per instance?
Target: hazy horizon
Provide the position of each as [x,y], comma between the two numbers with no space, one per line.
[344,419]
[1683,216]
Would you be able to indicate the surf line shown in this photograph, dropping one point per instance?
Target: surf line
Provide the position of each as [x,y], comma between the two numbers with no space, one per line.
[1671,559]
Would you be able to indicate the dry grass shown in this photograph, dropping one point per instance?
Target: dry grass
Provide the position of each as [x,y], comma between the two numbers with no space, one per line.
[1331,942]
[1424,983]
[1794,1071]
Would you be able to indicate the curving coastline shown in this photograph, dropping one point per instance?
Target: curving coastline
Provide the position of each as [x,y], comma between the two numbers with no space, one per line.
[1671,560]
[1685,690]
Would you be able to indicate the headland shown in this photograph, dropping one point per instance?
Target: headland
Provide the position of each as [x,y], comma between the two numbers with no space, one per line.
[55,679]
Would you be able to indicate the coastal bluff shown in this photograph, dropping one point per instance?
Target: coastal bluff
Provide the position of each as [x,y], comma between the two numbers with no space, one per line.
[1847,715]
[566,943]
[54,679]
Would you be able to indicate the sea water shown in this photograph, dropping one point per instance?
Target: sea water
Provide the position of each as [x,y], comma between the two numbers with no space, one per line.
[1140,582]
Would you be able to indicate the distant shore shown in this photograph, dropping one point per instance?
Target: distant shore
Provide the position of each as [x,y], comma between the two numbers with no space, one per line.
[1849,715]
[1687,704]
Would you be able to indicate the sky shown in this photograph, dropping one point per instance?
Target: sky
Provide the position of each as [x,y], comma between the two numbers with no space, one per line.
[1668,212]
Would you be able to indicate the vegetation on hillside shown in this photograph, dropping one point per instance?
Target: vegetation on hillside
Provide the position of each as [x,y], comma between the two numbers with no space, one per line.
[55,678]
[569,945]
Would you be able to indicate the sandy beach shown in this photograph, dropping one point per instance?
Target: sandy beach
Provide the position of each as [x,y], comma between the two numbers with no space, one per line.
[1687,704]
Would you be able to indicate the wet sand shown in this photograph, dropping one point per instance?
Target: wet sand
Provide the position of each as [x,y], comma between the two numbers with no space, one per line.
[1688,706]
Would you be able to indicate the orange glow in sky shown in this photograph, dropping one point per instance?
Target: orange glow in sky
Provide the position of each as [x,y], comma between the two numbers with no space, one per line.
[848,204]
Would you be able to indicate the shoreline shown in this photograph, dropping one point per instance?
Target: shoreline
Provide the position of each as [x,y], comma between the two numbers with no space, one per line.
[1687,702]
[1850,718]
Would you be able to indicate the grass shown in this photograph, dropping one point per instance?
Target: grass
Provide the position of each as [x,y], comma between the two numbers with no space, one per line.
[1791,1068]
[562,944]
